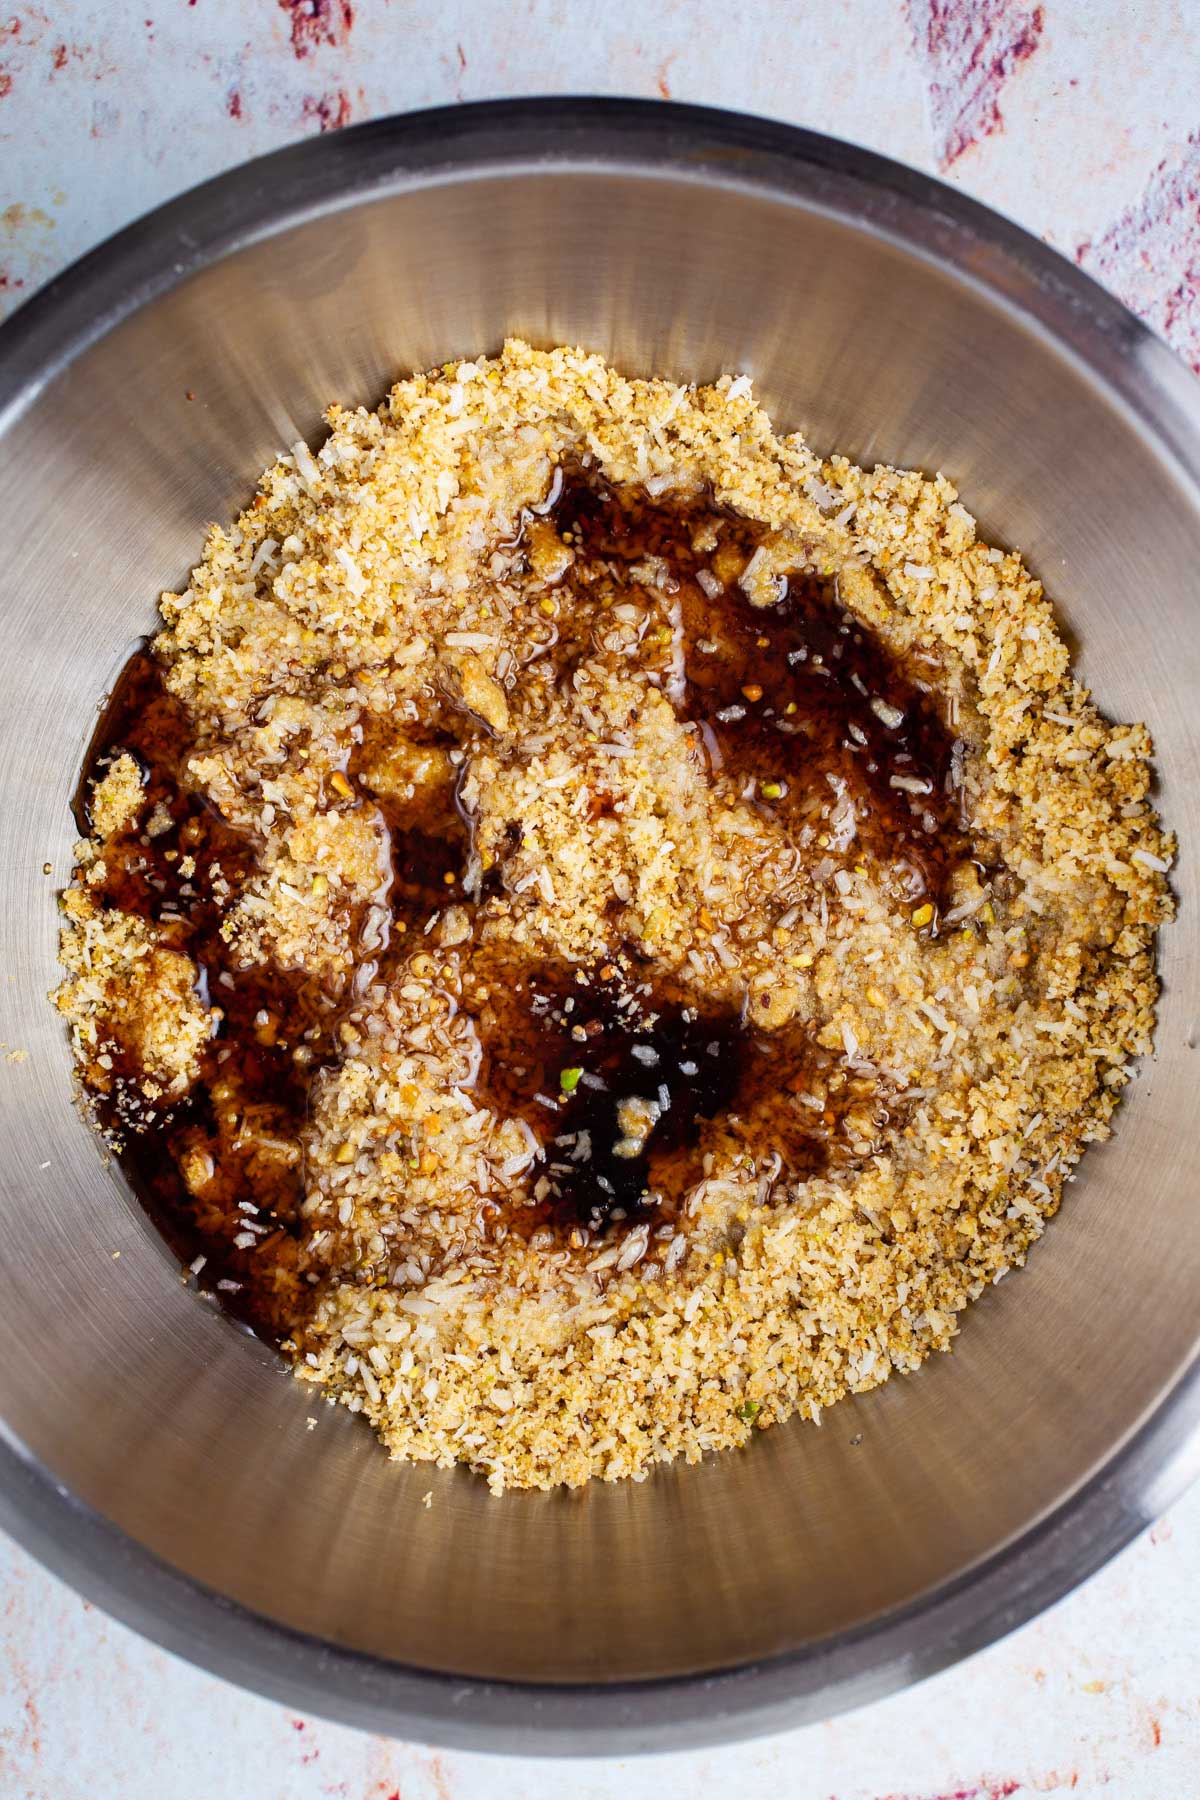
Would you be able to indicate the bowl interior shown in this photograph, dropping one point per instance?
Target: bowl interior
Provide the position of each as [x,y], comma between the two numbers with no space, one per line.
[187,1434]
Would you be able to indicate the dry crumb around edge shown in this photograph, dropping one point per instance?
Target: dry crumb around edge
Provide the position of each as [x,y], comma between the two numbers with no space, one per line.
[1017,1051]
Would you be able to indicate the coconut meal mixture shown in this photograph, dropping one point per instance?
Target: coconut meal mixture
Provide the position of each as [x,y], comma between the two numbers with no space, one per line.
[597,930]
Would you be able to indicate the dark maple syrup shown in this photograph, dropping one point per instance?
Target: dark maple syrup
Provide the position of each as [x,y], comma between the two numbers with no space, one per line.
[429,833]
[626,1082]
[275,1026]
[627,1086]
[798,696]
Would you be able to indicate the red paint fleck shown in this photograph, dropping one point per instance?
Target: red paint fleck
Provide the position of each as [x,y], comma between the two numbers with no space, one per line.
[81,53]
[462,56]
[312,1755]
[985,1790]
[317,22]
[661,83]
[1156,1732]
[5,84]
[437,1774]
[1162,1533]
[969,49]
[235,105]
[8,282]
[328,112]
[1151,258]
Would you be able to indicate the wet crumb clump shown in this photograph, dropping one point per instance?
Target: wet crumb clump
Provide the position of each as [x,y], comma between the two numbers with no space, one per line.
[595,930]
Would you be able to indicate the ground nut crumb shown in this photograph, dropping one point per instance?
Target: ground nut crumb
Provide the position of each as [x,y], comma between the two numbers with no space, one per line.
[635,924]
[117,797]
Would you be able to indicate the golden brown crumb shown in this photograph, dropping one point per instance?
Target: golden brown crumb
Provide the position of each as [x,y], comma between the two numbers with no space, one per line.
[127,991]
[380,630]
[117,797]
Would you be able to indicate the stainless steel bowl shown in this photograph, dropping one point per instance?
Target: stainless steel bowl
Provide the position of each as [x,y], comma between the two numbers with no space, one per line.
[157,1457]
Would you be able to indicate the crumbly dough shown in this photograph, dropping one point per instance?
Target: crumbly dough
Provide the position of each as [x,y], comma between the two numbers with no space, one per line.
[117,798]
[408,575]
[129,996]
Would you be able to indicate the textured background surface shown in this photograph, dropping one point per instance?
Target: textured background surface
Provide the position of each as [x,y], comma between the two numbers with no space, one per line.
[1081,119]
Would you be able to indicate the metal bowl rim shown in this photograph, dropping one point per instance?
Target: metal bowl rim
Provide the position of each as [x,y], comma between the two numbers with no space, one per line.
[1136,372]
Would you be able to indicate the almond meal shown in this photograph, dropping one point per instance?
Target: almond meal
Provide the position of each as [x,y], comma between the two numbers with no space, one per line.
[597,930]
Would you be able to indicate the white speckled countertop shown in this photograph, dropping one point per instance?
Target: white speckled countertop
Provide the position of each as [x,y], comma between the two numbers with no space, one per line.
[1081,119]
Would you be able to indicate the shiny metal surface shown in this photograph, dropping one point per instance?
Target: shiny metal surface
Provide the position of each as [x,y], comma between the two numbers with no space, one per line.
[160,1459]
